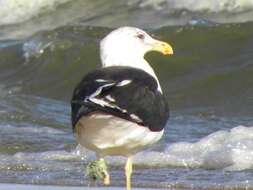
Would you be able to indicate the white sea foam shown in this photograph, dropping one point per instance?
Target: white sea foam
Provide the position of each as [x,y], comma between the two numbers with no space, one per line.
[43,15]
[234,6]
[48,155]
[31,129]
[228,150]
[16,11]
[78,153]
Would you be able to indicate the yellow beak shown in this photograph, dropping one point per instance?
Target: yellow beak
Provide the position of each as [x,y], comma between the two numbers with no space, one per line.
[162,47]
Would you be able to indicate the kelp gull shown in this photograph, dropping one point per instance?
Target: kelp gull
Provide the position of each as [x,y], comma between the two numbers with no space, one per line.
[119,109]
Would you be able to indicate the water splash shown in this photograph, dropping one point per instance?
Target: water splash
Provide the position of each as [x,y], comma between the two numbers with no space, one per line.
[22,18]
[228,150]
[16,11]
[215,6]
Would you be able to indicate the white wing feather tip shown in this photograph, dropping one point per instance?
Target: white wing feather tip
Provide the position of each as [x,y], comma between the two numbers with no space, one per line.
[135,117]
[101,80]
[110,98]
[124,83]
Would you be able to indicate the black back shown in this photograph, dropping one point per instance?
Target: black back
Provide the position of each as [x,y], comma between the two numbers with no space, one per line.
[140,97]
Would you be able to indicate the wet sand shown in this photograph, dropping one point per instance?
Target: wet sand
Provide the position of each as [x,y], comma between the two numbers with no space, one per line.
[4,186]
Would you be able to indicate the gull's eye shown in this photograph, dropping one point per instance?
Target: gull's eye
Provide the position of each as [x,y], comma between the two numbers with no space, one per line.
[141,36]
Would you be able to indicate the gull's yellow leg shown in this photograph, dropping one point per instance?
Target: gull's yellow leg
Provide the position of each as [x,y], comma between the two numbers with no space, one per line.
[128,172]
[106,176]
[107,180]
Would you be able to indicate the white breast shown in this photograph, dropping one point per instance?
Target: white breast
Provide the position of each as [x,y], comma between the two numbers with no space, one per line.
[109,135]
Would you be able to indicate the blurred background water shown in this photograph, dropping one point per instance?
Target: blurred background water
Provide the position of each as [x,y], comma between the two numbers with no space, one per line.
[46,46]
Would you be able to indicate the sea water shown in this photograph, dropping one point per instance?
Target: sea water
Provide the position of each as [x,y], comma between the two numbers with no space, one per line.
[47,47]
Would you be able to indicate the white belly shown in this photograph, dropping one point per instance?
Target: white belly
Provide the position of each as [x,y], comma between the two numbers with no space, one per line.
[109,135]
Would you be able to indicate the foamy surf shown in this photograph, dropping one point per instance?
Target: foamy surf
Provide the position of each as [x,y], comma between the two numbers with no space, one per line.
[37,146]
[16,11]
[204,6]
[227,150]
[22,18]
[209,90]
[47,187]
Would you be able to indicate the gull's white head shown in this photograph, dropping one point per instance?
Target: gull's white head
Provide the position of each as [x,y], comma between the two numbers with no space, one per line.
[126,46]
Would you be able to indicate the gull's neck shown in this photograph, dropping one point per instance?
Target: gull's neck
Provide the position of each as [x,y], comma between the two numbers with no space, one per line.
[131,61]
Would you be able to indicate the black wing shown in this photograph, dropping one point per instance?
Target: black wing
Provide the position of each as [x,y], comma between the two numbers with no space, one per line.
[125,92]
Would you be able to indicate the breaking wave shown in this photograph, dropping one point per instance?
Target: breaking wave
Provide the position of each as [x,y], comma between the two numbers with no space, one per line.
[216,6]
[22,18]
[16,11]
[229,150]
